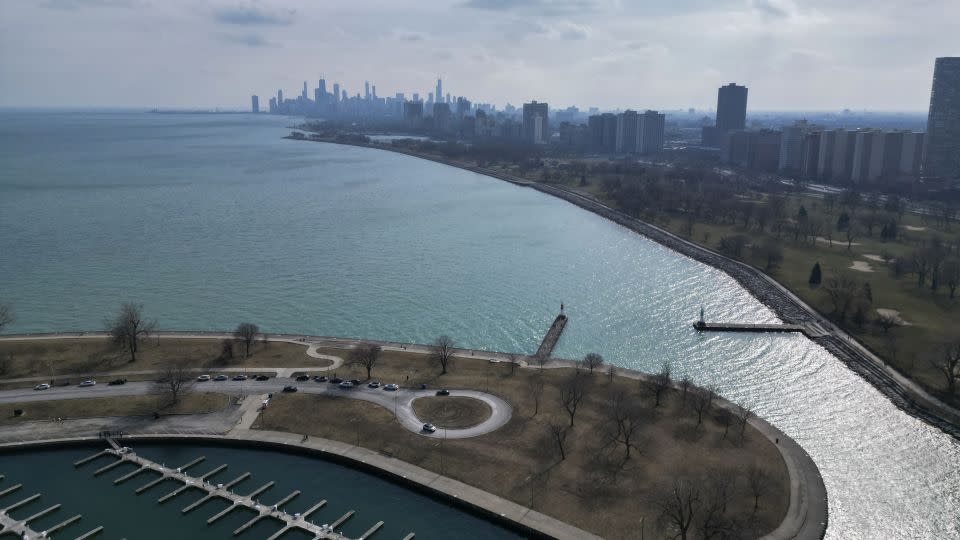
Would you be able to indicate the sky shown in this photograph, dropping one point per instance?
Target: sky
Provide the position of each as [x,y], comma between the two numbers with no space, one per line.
[664,54]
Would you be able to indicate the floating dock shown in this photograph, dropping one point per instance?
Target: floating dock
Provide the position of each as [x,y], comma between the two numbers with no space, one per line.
[21,527]
[273,511]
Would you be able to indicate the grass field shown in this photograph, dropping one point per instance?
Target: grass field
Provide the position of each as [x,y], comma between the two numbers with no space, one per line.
[451,412]
[190,403]
[46,358]
[595,488]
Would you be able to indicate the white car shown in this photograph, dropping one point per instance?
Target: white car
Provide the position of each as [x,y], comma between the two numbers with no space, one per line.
[346,384]
[391,387]
[429,428]
[203,378]
[88,382]
[43,386]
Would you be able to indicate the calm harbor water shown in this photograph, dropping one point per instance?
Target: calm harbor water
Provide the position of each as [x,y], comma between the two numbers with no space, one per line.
[211,220]
[127,515]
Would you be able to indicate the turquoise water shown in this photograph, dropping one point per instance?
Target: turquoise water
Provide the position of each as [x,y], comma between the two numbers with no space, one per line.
[124,514]
[212,220]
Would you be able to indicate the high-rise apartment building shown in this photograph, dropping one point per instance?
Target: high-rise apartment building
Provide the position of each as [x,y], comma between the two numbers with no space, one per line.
[536,127]
[942,148]
[650,140]
[731,107]
[255,104]
[791,146]
[628,132]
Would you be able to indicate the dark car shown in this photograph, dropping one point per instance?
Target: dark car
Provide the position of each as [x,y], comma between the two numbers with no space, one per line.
[289,388]
[116,382]
[443,392]
[356,382]
[336,380]
[302,378]
[261,378]
[320,378]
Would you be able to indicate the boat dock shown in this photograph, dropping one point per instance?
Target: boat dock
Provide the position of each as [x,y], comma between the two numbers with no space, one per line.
[552,337]
[213,490]
[811,330]
[21,527]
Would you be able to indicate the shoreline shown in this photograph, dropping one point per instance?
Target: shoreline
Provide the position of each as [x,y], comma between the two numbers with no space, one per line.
[806,516]
[902,392]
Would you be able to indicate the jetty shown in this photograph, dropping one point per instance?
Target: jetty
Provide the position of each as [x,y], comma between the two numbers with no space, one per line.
[811,330]
[552,337]
[211,490]
[20,528]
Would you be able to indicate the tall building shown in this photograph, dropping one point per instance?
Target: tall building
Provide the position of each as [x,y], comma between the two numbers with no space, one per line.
[366,90]
[304,93]
[439,92]
[942,148]
[628,132]
[336,92]
[536,128]
[323,87]
[279,98]
[650,139]
[791,146]
[255,104]
[731,107]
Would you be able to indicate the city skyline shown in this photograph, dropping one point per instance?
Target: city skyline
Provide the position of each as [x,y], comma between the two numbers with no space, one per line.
[119,53]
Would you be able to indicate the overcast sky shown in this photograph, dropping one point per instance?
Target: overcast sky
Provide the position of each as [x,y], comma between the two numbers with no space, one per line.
[793,54]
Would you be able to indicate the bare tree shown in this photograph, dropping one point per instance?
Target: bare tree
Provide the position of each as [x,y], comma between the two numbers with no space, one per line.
[759,481]
[571,394]
[660,383]
[744,413]
[948,364]
[842,290]
[175,380]
[443,352]
[713,520]
[592,361]
[627,420]
[129,327]
[725,419]
[611,373]
[535,388]
[851,234]
[514,360]
[6,315]
[365,356]
[678,505]
[702,399]
[558,433]
[685,384]
[247,333]
[226,349]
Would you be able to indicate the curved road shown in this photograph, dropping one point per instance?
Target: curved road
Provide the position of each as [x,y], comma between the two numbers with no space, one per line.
[400,401]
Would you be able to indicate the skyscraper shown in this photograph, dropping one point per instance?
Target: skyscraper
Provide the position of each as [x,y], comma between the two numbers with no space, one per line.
[439,92]
[304,94]
[255,104]
[323,87]
[536,128]
[336,92]
[942,146]
[731,107]
[366,90]
[650,140]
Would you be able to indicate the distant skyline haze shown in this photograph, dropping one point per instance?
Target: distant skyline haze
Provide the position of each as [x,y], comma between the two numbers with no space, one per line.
[792,54]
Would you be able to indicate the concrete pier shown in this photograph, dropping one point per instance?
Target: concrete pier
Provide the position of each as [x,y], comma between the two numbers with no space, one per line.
[21,527]
[811,330]
[222,491]
[552,337]
[128,476]
[371,531]
[90,534]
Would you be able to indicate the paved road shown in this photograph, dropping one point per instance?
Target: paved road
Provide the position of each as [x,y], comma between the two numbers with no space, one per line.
[400,402]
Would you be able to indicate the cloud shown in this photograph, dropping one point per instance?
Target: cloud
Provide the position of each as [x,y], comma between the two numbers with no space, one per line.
[572,32]
[538,7]
[774,9]
[249,40]
[411,36]
[253,16]
[70,5]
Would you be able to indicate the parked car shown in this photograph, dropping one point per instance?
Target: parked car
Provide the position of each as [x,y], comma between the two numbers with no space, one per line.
[443,392]
[221,378]
[290,388]
[240,377]
[356,382]
[203,378]
[391,387]
[373,384]
[43,386]
[346,384]
[301,378]
[88,382]
[261,378]
[320,378]
[116,382]
[429,428]
[336,380]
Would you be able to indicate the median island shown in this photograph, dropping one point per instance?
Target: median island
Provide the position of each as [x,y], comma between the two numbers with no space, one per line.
[612,455]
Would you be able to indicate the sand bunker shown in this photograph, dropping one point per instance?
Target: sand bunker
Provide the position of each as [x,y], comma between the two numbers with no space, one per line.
[894,315]
[861,266]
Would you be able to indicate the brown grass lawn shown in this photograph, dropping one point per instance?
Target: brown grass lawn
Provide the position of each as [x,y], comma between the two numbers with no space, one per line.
[451,412]
[190,403]
[595,488]
[42,358]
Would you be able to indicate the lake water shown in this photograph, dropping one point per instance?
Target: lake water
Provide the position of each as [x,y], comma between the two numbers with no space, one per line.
[124,514]
[211,220]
